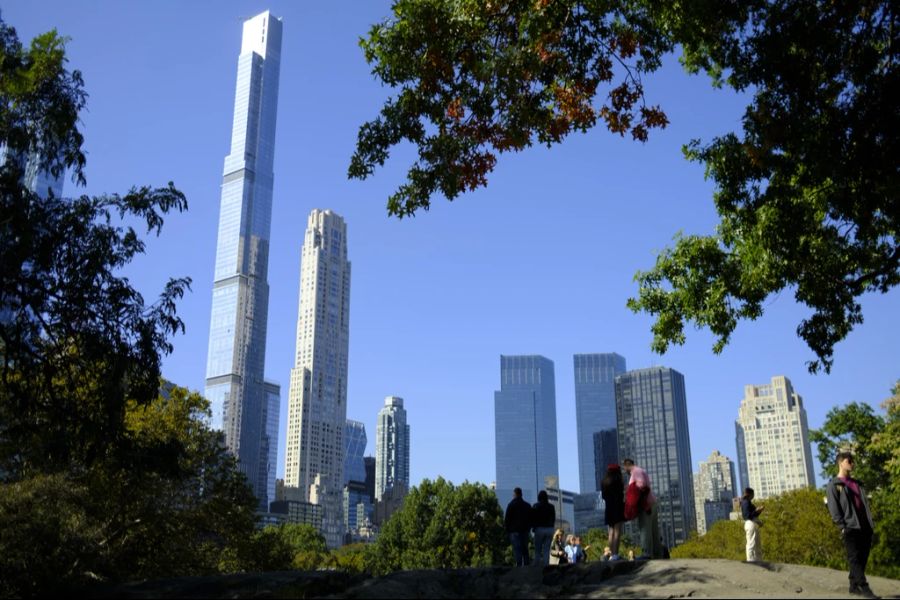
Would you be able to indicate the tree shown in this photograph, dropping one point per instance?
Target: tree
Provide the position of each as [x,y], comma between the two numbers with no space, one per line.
[289,546]
[807,193]
[102,476]
[442,526]
[875,441]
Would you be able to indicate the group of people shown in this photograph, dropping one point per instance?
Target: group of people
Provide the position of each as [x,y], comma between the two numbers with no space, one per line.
[550,547]
[844,496]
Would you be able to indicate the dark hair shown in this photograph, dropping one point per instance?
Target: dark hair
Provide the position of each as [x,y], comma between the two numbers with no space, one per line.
[542,496]
[613,477]
[518,492]
[842,455]
[628,462]
[748,493]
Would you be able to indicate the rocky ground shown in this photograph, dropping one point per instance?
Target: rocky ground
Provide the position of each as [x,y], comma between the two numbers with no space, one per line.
[651,579]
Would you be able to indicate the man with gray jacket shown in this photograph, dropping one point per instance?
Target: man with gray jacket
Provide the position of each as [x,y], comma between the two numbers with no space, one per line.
[849,509]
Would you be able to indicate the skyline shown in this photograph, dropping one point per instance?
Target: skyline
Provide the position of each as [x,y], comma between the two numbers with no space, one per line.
[436,298]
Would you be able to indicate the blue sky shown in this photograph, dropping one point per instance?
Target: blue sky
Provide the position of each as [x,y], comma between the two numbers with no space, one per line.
[540,262]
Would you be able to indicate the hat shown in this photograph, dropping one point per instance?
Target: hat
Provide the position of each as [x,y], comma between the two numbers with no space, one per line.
[612,467]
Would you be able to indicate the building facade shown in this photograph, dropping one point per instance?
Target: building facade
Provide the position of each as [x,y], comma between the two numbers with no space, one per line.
[595,415]
[651,406]
[235,384]
[772,439]
[269,453]
[317,400]
[715,487]
[525,426]
[391,447]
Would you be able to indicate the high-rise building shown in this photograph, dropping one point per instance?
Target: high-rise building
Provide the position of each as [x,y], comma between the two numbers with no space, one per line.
[595,415]
[773,439]
[317,401]
[37,180]
[525,426]
[715,487]
[651,405]
[369,461]
[237,335]
[391,447]
[355,441]
[269,451]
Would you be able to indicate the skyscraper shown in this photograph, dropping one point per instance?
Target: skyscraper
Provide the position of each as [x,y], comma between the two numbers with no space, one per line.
[269,452]
[651,407]
[355,441]
[715,487]
[237,335]
[525,426]
[391,447]
[595,415]
[317,401]
[40,181]
[772,439]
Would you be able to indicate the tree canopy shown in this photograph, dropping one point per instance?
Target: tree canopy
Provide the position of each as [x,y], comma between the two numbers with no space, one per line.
[807,192]
[105,473]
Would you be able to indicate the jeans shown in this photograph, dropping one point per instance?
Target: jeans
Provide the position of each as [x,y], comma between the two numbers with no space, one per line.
[519,541]
[542,538]
[649,526]
[858,543]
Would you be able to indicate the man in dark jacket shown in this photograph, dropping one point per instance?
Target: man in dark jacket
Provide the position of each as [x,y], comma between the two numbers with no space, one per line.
[544,520]
[849,509]
[518,526]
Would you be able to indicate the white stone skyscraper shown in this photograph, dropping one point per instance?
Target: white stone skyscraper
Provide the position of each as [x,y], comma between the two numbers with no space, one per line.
[715,486]
[391,447]
[317,401]
[772,439]
[235,384]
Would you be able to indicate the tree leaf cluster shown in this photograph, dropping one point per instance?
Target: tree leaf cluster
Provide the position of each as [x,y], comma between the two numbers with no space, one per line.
[806,192]
[106,474]
[442,526]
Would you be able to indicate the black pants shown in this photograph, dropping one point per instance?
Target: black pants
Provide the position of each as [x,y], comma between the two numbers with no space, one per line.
[858,543]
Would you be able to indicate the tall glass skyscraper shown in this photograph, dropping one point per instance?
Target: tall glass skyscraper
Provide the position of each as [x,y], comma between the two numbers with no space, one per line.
[317,401]
[269,450]
[391,447]
[525,426]
[237,335]
[595,415]
[651,407]
[355,441]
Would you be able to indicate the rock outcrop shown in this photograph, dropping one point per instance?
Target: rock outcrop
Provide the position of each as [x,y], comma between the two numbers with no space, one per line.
[712,578]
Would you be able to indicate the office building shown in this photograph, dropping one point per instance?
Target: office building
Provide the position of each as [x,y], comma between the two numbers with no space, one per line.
[235,384]
[525,426]
[772,439]
[595,415]
[651,407]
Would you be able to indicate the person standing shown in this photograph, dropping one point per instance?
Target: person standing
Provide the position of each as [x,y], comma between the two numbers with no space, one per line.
[544,519]
[751,525]
[518,525]
[639,499]
[849,510]
[558,554]
[612,488]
